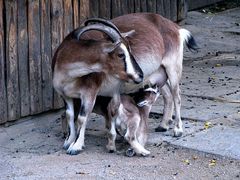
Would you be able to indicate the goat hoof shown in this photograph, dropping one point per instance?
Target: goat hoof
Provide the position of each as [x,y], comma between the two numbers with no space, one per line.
[177,134]
[74,152]
[66,145]
[111,151]
[73,149]
[146,153]
[160,129]
[130,152]
[111,148]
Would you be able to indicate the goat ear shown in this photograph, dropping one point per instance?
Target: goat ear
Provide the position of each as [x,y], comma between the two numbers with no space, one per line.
[142,103]
[110,47]
[128,34]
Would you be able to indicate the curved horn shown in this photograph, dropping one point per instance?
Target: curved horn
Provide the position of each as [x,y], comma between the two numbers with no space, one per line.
[112,33]
[103,21]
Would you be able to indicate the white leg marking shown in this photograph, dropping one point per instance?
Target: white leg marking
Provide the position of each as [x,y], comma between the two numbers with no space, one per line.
[112,137]
[78,145]
[70,121]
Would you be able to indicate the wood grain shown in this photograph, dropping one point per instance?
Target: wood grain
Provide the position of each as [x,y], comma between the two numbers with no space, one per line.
[105,9]
[13,94]
[47,87]
[34,57]
[76,20]
[84,10]
[3,93]
[57,37]
[23,57]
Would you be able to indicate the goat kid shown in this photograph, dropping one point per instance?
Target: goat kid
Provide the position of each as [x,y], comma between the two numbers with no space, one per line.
[129,116]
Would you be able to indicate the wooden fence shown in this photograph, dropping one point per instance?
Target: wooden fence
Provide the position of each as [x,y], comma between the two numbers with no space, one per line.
[30,32]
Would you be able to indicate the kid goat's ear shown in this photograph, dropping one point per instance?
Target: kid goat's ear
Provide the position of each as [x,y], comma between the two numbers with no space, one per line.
[142,103]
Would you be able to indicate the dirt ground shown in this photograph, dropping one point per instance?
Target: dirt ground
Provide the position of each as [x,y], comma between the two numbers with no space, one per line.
[36,153]
[32,149]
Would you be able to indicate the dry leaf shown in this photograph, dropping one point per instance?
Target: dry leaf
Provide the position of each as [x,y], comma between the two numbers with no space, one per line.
[186,161]
[212,162]
[218,65]
[207,125]
[195,157]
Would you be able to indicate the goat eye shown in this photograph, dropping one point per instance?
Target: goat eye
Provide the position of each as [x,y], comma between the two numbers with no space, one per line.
[122,56]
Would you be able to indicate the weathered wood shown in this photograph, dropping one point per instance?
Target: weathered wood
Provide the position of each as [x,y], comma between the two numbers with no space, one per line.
[137,5]
[47,88]
[3,95]
[105,9]
[130,6]
[193,4]
[143,5]
[119,8]
[181,10]
[94,8]
[75,13]
[23,57]
[34,57]
[57,37]
[166,7]
[84,10]
[68,17]
[151,6]
[12,61]
[173,10]
[160,8]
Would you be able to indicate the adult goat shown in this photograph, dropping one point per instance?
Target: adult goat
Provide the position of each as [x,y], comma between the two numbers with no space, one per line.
[151,40]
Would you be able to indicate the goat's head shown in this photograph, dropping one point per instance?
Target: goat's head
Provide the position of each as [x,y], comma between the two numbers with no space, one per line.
[148,96]
[119,51]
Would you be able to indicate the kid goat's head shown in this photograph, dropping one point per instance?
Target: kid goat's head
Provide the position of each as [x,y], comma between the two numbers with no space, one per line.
[118,58]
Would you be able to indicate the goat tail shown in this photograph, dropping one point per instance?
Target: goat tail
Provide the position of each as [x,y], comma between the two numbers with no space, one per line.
[189,40]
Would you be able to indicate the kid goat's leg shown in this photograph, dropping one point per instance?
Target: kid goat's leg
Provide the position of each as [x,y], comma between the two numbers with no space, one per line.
[112,108]
[87,103]
[131,136]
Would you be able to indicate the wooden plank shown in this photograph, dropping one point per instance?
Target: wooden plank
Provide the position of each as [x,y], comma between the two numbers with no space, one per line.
[23,57]
[119,8]
[68,17]
[105,9]
[84,10]
[173,10]
[3,93]
[166,7]
[160,7]
[47,88]
[75,14]
[182,10]
[93,8]
[137,5]
[130,6]
[116,8]
[151,6]
[12,61]
[57,37]
[34,56]
[143,5]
